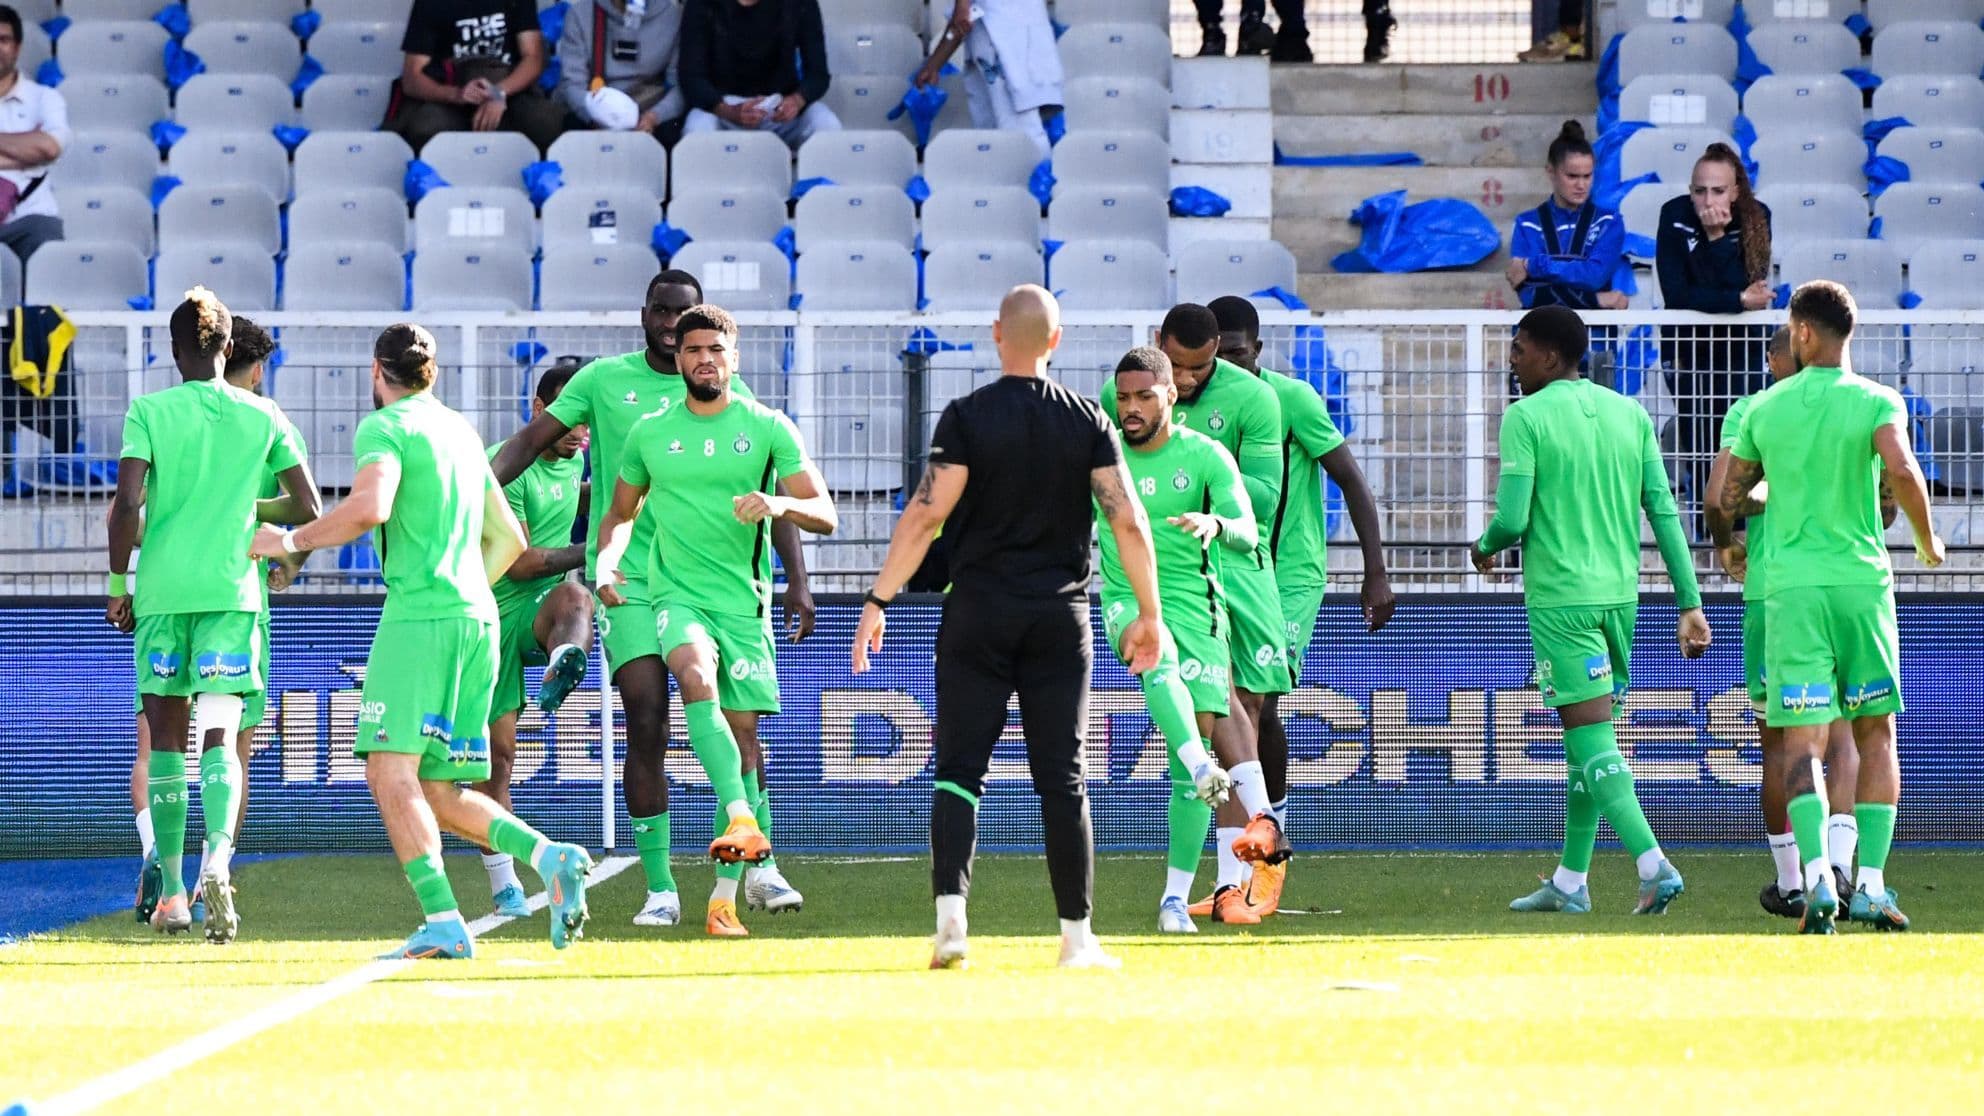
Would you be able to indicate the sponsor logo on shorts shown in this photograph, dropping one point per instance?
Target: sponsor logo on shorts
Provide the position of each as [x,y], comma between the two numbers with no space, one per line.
[741,669]
[1597,667]
[1806,698]
[1857,696]
[474,749]
[1181,480]
[433,726]
[372,711]
[741,446]
[1214,674]
[164,666]
[215,665]
[1190,669]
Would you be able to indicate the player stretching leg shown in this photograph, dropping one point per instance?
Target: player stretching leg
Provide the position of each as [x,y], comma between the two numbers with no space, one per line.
[1579,465]
[1785,895]
[423,723]
[1831,645]
[1189,482]
[1299,542]
[710,469]
[205,447]
[545,620]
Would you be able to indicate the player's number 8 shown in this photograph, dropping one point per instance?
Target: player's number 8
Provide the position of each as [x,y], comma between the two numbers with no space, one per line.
[709,447]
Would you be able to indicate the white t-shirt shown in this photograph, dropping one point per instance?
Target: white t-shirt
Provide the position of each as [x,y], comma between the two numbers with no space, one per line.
[32,107]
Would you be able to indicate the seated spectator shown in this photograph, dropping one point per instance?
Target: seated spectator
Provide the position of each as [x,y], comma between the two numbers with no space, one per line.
[1012,76]
[34,127]
[1556,30]
[629,46]
[1565,251]
[749,64]
[474,64]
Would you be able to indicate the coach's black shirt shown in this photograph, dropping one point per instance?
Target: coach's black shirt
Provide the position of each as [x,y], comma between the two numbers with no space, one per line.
[1022,526]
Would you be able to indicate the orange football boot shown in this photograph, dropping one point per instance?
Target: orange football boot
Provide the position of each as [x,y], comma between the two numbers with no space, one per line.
[742,842]
[723,922]
[1263,892]
[1229,906]
[1262,842]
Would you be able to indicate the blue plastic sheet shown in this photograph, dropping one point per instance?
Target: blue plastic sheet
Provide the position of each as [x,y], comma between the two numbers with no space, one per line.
[55,27]
[787,242]
[1884,171]
[1197,201]
[1748,66]
[551,21]
[541,180]
[1428,235]
[1060,28]
[1874,131]
[1780,296]
[528,353]
[305,24]
[307,73]
[420,179]
[181,65]
[161,186]
[1612,193]
[922,103]
[1361,159]
[1874,230]
[1606,150]
[1041,182]
[291,136]
[1858,23]
[1609,86]
[802,187]
[1744,133]
[165,133]
[925,340]
[667,239]
[1289,299]
[175,19]
[1049,247]
[1910,300]
[49,73]
[1056,126]
[1867,80]
[139,302]
[918,190]
[554,70]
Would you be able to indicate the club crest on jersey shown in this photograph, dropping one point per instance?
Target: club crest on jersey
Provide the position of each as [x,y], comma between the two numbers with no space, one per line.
[1217,421]
[164,666]
[741,446]
[1806,698]
[1857,696]
[1181,480]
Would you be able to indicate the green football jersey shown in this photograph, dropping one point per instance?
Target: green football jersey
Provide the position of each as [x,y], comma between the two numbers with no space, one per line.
[209,446]
[1588,449]
[432,543]
[1814,434]
[1189,473]
[1300,536]
[610,395]
[1758,543]
[545,498]
[694,466]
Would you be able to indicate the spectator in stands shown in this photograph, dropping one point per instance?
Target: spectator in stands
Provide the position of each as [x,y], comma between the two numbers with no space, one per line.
[474,64]
[1012,75]
[34,128]
[1713,256]
[1565,251]
[1556,31]
[756,64]
[629,46]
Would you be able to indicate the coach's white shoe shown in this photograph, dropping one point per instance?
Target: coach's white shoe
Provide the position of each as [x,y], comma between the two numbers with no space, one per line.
[949,949]
[663,908]
[1085,952]
[765,889]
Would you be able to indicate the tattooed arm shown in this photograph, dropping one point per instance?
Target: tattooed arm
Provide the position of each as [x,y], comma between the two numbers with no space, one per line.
[1738,499]
[1110,486]
[936,495]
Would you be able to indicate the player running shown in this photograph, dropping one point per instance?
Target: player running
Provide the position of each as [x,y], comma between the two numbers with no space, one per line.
[708,472]
[193,464]
[1831,646]
[1299,544]
[423,721]
[1579,465]
[1785,895]
[608,396]
[1189,481]
[545,620]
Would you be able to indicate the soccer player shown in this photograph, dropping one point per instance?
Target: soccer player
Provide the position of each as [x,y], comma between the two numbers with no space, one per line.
[710,471]
[1299,542]
[1785,895]
[193,463]
[1189,482]
[1830,643]
[609,396]
[545,620]
[423,721]
[1579,465]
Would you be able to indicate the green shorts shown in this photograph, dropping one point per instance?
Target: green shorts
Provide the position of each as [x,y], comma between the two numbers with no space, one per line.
[1830,652]
[255,706]
[746,680]
[627,631]
[1300,606]
[184,653]
[516,648]
[1582,653]
[1198,658]
[427,686]
[1755,677]
[1258,633]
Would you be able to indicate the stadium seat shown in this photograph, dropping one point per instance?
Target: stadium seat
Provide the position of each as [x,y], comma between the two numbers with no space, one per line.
[1211,268]
[244,47]
[346,102]
[1117,50]
[495,276]
[1760,12]
[1911,213]
[856,275]
[1082,13]
[1669,152]
[858,13]
[748,214]
[110,11]
[1929,101]
[35,11]
[1112,159]
[1640,209]
[480,158]
[848,158]
[739,275]
[468,218]
[86,275]
[595,276]
[1956,448]
[1883,13]
[1922,47]
[1805,102]
[1871,269]
[1948,274]
[1809,158]
[366,11]
[117,214]
[1110,275]
[215,11]
[1680,100]
[1945,155]
[341,161]
[830,213]
[873,48]
[864,102]
[974,157]
[967,215]
[977,276]
[1803,47]
[1633,13]
[111,102]
[759,158]
[352,215]
[115,47]
[107,159]
[348,276]
[1129,213]
[193,216]
[203,158]
[599,160]
[1677,48]
[588,214]
[358,48]
[1115,104]
[234,103]
[1826,211]
[244,271]
[12,280]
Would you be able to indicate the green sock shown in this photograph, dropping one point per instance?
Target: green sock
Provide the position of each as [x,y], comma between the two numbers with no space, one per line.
[220,791]
[1595,748]
[1580,823]
[168,798]
[430,884]
[1188,817]
[1170,706]
[1808,825]
[760,799]
[716,750]
[513,838]
[1876,833]
[651,841]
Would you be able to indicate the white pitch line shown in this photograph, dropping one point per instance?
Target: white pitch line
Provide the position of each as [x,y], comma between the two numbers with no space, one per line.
[93,1094]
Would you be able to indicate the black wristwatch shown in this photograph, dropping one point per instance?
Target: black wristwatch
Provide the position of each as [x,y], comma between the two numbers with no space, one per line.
[870,598]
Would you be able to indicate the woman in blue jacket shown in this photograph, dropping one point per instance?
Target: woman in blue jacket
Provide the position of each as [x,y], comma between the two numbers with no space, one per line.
[1565,251]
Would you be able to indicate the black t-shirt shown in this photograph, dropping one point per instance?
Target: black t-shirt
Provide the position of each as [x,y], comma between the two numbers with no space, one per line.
[1022,526]
[462,31]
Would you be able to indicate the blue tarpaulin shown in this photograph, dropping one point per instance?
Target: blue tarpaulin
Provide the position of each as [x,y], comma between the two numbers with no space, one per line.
[420,179]
[1041,182]
[667,239]
[1197,201]
[541,180]
[1428,235]
[1362,159]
